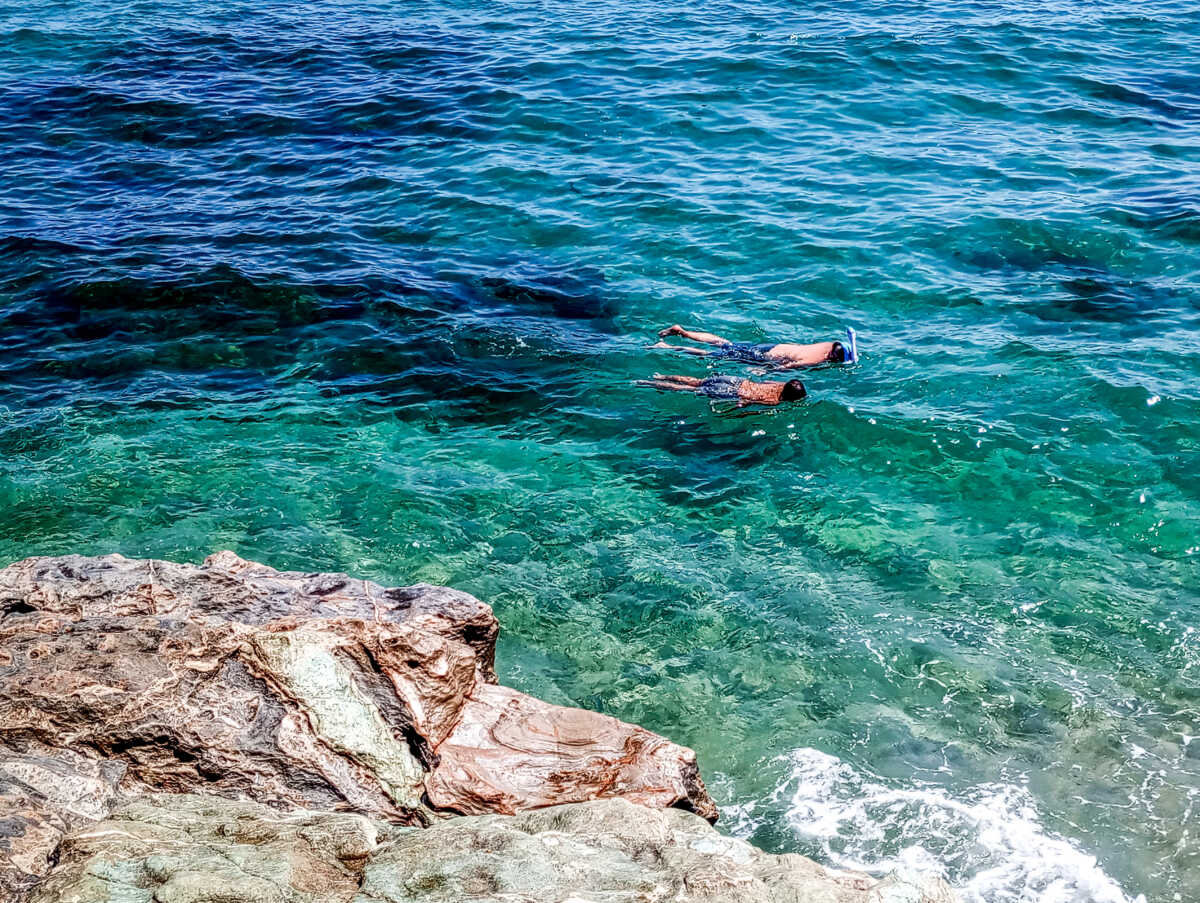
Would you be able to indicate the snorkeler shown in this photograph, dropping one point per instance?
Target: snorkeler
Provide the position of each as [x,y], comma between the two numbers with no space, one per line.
[782,355]
[731,388]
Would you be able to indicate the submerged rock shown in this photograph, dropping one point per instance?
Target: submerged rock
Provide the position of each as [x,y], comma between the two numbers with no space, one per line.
[300,691]
[197,849]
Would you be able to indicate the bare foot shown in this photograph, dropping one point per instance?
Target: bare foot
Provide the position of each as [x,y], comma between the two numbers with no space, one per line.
[671,330]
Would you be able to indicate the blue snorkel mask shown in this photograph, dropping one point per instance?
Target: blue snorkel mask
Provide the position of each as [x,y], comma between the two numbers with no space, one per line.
[851,346]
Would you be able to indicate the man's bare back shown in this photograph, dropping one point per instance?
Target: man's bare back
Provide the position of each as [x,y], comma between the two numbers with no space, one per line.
[732,388]
[781,355]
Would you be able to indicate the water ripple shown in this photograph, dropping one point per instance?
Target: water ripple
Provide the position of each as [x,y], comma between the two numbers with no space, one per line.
[362,289]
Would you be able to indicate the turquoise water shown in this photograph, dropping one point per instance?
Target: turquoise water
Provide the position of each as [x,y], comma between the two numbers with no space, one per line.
[364,287]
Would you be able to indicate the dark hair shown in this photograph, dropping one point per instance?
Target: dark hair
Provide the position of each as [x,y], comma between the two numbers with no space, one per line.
[837,354]
[793,390]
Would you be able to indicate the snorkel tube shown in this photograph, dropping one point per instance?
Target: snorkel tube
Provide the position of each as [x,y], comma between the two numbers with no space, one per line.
[851,346]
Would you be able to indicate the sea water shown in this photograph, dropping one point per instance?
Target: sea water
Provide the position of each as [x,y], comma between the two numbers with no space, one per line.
[365,286]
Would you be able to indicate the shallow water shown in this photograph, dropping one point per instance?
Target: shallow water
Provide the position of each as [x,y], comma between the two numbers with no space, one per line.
[364,287]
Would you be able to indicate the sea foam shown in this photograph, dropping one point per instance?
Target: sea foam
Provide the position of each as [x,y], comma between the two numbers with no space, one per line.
[988,842]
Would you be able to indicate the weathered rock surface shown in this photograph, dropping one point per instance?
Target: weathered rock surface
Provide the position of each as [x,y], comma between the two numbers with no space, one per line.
[195,849]
[300,691]
[232,589]
[205,849]
[563,751]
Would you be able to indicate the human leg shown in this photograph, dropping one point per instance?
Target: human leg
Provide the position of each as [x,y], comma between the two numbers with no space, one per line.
[663,346]
[706,338]
[690,381]
[666,385]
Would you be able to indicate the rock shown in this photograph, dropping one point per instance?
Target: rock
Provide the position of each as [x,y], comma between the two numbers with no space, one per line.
[300,691]
[565,754]
[203,849]
[233,589]
[609,851]
[195,849]
[43,792]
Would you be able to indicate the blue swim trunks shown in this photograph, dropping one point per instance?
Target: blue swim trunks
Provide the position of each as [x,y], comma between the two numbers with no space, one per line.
[745,352]
[721,386]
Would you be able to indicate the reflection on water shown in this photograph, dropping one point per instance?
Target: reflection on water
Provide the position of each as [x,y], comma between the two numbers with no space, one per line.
[367,290]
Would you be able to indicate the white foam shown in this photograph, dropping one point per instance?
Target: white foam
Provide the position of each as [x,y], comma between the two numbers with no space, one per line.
[989,843]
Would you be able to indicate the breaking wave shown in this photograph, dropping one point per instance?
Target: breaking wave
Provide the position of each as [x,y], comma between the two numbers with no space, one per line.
[989,842]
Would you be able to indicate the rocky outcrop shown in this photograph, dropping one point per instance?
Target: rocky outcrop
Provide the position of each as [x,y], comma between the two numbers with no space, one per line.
[122,678]
[227,733]
[195,849]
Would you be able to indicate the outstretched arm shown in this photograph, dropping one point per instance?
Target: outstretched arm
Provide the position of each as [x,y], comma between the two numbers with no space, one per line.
[706,337]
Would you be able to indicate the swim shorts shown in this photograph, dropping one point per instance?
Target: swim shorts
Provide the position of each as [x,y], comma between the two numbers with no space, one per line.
[721,386]
[745,352]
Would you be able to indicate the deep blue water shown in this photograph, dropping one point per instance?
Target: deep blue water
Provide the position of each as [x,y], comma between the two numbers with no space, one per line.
[365,287]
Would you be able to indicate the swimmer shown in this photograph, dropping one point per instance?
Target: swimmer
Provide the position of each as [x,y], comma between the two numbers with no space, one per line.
[730,388]
[780,355]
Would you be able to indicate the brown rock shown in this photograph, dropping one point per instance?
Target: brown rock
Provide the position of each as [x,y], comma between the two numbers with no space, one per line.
[43,792]
[233,589]
[294,690]
[273,715]
[511,752]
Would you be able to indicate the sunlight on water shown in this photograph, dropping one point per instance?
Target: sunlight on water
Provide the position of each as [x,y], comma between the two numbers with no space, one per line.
[366,289]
